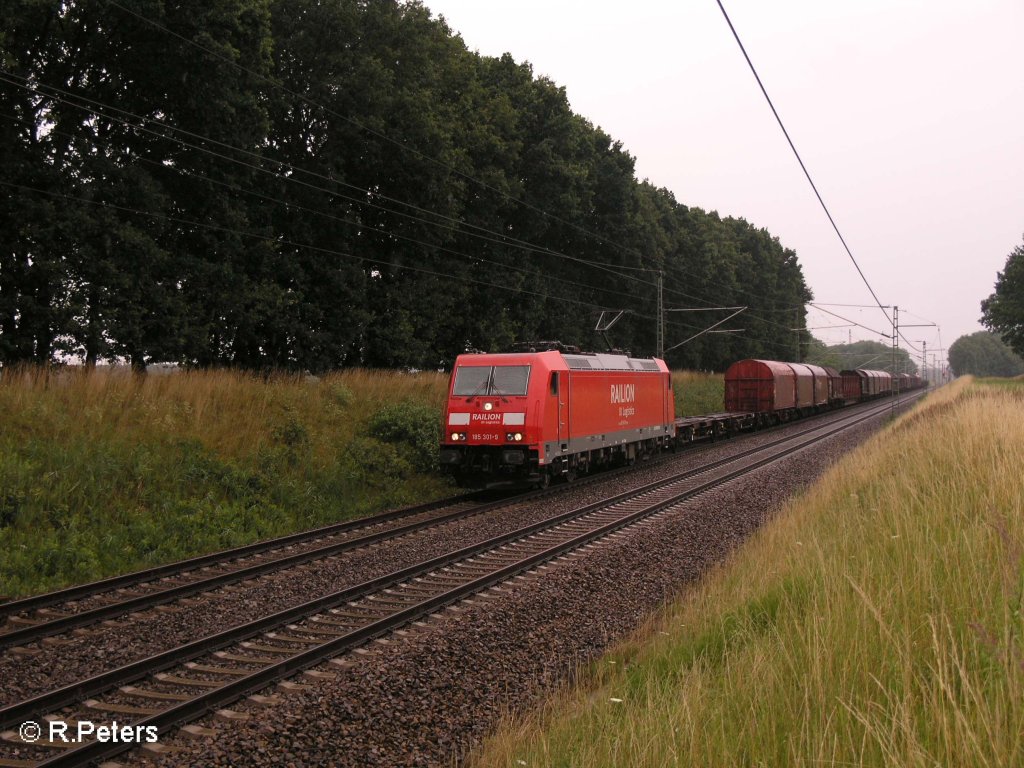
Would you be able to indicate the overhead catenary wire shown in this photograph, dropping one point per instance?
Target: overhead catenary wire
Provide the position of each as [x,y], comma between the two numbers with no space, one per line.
[274,83]
[284,172]
[278,241]
[801,161]
[141,124]
[848,320]
[362,227]
[317,249]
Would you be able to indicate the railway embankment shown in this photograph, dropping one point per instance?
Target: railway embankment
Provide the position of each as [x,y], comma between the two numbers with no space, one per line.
[104,472]
[878,619]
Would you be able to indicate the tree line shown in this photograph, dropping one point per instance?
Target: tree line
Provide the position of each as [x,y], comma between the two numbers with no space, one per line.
[318,184]
[871,355]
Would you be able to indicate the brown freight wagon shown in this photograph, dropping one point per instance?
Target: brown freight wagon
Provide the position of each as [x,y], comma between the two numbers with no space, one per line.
[835,386]
[863,384]
[819,386]
[760,386]
[884,383]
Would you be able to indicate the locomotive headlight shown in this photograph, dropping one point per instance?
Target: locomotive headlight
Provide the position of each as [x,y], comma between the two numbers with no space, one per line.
[488,406]
[514,437]
[519,436]
[456,436]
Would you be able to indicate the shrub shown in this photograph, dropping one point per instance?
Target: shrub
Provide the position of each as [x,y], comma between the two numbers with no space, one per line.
[416,426]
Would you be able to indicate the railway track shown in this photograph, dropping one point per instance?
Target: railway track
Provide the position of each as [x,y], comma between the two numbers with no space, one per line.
[30,620]
[207,674]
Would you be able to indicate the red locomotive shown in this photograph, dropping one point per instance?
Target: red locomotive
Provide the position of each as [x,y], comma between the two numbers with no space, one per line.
[525,417]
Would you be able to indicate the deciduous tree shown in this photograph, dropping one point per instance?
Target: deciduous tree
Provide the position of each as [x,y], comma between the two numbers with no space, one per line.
[1003,311]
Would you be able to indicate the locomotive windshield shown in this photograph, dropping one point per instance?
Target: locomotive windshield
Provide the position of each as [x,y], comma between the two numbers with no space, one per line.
[477,380]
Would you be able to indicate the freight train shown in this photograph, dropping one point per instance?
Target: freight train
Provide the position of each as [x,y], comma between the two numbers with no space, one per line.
[528,417]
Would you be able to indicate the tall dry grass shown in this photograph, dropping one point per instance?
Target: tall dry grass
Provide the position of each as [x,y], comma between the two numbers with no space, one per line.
[877,621]
[231,412]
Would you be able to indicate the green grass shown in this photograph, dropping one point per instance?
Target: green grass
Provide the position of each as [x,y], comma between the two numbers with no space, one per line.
[1016,384]
[104,473]
[877,621]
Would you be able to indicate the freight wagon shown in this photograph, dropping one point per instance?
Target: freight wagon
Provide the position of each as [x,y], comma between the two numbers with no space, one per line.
[778,391]
[861,384]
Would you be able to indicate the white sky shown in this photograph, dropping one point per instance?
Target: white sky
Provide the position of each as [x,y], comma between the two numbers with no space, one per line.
[909,115]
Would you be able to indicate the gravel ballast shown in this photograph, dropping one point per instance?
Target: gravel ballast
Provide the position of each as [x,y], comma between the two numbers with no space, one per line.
[426,698]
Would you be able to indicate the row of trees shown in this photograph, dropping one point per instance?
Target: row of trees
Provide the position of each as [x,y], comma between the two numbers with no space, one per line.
[313,184]
[872,355]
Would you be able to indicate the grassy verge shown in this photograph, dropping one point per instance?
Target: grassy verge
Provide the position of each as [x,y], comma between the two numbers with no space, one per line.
[106,472]
[876,621]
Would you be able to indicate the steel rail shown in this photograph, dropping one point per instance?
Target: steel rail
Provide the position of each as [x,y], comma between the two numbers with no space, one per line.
[12,608]
[24,605]
[152,599]
[46,628]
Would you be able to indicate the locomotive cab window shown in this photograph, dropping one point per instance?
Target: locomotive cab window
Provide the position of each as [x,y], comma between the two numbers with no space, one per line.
[485,380]
[554,382]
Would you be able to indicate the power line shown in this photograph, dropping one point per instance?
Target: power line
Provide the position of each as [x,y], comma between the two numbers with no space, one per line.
[278,241]
[835,304]
[286,173]
[852,322]
[285,170]
[803,167]
[384,137]
[373,261]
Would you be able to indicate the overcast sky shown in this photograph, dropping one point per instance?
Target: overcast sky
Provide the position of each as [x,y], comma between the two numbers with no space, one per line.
[909,115]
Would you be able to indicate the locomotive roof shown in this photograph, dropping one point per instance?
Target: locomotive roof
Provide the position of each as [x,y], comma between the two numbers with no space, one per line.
[576,362]
[599,362]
